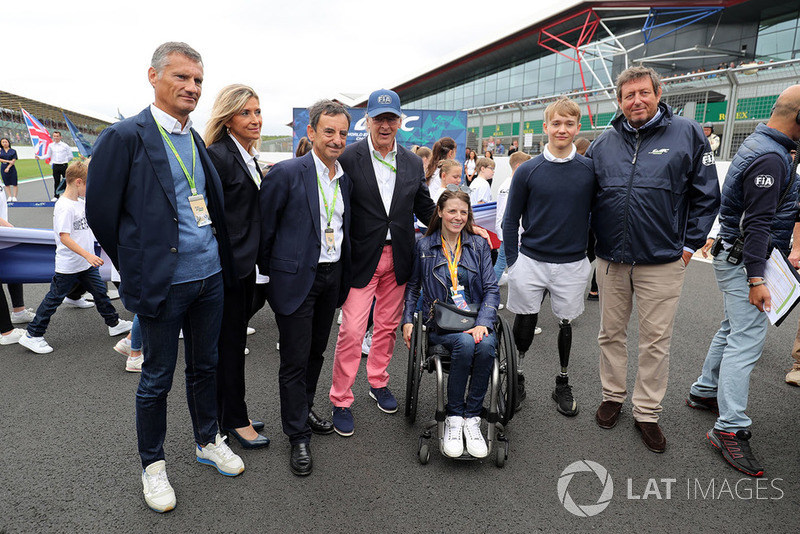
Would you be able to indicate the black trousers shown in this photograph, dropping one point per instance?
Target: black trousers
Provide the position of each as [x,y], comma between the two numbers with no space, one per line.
[303,337]
[59,170]
[231,407]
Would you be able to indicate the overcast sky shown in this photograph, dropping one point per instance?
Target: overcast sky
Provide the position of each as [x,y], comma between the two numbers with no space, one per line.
[92,56]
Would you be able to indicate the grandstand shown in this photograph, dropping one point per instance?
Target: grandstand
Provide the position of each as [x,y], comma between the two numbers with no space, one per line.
[723,61]
[12,124]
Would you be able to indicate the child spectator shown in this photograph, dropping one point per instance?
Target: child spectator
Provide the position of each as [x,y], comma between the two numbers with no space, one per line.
[481,190]
[515,160]
[74,263]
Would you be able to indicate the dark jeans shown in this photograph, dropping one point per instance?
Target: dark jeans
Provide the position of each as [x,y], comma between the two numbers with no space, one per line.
[59,171]
[303,337]
[231,407]
[60,286]
[197,308]
[468,361]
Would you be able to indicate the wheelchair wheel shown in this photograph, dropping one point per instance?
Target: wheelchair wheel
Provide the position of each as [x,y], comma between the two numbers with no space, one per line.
[500,458]
[415,370]
[424,453]
[507,362]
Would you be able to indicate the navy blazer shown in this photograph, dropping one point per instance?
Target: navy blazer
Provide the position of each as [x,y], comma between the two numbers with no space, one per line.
[132,210]
[291,236]
[411,197]
[242,216]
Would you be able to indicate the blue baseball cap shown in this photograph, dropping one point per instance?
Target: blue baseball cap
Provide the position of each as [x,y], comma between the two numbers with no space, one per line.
[383,101]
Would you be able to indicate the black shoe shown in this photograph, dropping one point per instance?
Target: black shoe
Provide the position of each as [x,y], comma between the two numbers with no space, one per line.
[565,404]
[258,426]
[520,392]
[592,296]
[259,443]
[300,459]
[702,403]
[735,449]
[319,425]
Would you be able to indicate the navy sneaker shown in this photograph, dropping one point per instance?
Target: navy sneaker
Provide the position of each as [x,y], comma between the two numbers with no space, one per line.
[735,448]
[386,401]
[343,421]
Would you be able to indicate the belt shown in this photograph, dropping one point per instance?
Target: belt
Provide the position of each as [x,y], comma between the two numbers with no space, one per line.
[326,267]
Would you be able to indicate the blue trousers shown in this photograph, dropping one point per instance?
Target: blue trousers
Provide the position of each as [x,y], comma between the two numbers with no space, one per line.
[197,308]
[468,362]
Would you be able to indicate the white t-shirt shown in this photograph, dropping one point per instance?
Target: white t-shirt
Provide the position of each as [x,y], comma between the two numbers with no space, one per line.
[500,213]
[69,216]
[481,191]
[436,183]
[471,166]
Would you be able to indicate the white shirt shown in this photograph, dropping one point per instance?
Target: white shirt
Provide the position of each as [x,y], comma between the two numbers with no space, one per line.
[69,216]
[550,157]
[471,166]
[168,122]
[480,191]
[59,153]
[436,182]
[386,176]
[502,200]
[249,160]
[329,187]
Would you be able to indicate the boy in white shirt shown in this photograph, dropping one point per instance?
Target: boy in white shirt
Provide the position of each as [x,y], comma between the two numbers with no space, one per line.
[74,263]
[481,190]
[515,160]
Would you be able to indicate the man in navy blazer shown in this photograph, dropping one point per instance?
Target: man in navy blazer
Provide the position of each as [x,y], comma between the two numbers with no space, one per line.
[305,250]
[151,180]
[388,190]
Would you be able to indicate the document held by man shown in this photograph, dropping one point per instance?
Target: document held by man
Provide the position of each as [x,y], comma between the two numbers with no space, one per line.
[783,283]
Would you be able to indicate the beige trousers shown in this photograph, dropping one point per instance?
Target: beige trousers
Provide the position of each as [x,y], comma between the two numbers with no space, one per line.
[657,289]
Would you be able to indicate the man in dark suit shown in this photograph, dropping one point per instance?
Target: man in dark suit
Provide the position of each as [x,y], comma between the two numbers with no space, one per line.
[155,206]
[388,190]
[305,250]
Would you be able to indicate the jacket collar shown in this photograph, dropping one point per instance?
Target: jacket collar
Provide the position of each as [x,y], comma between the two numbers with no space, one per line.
[777,135]
[663,120]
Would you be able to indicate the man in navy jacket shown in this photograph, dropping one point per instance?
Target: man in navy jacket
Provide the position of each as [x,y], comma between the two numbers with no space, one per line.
[657,198]
[149,183]
[305,250]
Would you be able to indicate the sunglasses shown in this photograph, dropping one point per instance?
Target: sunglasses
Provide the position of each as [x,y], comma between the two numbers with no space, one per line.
[456,188]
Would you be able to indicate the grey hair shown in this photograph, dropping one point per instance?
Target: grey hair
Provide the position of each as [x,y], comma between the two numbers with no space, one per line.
[634,73]
[325,107]
[161,55]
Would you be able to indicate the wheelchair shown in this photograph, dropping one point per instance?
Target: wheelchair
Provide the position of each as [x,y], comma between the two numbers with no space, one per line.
[501,395]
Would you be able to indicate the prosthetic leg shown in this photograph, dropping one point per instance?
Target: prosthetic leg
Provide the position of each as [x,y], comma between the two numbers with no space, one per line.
[524,330]
[562,394]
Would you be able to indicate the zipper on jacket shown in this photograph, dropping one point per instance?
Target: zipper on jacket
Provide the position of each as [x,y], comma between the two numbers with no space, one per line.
[628,195]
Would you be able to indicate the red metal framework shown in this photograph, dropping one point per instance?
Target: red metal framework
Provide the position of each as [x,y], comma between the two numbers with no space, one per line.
[564,32]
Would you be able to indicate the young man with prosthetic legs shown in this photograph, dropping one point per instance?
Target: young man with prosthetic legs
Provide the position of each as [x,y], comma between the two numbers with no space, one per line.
[552,194]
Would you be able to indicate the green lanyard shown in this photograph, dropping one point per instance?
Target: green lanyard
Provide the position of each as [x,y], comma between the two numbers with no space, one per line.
[189,177]
[328,211]
[392,167]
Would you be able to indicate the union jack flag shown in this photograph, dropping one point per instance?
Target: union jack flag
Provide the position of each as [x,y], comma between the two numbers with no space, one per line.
[40,137]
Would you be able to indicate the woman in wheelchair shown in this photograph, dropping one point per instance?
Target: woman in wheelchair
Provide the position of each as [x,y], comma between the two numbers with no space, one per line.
[453,265]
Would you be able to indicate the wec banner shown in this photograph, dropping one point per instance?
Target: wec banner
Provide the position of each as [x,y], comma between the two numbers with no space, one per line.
[421,127]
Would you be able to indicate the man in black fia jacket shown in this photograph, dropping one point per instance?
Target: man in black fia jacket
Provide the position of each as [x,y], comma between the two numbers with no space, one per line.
[657,198]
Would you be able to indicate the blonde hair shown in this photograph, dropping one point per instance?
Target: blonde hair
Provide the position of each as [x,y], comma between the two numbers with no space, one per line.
[230,101]
[447,164]
[563,106]
[75,171]
[518,158]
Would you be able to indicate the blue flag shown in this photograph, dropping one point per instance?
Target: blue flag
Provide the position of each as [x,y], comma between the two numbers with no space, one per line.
[80,141]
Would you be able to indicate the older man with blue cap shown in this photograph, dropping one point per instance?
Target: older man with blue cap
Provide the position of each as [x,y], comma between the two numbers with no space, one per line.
[388,190]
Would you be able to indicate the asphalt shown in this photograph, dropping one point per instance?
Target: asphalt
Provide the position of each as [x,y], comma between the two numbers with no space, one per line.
[68,460]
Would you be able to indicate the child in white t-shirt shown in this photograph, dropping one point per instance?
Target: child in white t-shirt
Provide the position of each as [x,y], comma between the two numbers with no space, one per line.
[75,262]
[481,190]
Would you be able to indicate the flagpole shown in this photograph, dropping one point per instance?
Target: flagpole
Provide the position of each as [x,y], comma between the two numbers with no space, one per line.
[46,191]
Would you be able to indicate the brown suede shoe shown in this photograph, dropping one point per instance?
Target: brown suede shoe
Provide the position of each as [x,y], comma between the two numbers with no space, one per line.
[652,436]
[608,414]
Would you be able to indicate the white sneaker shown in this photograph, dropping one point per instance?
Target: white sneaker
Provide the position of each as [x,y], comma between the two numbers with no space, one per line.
[24,316]
[14,337]
[250,331]
[180,334]
[500,306]
[476,445]
[537,330]
[53,199]
[80,303]
[122,327]
[134,364]
[367,343]
[220,456]
[453,442]
[36,344]
[246,351]
[277,346]
[158,492]
[339,320]
[123,346]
